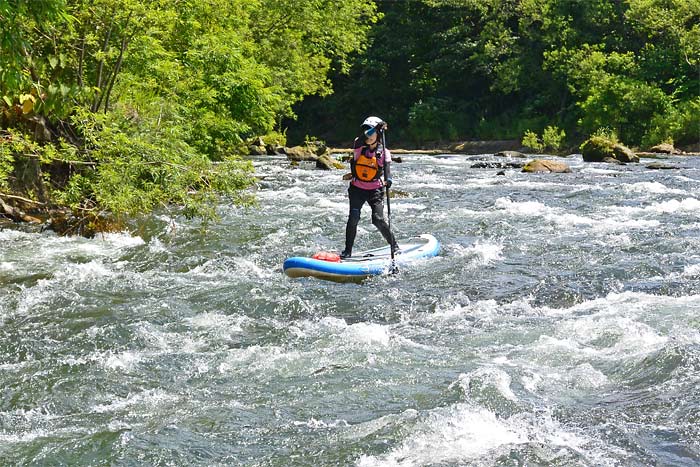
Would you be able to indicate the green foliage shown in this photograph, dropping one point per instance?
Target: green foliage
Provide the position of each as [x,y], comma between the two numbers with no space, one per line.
[149,93]
[598,147]
[532,141]
[135,173]
[507,66]
[6,160]
[680,125]
[430,121]
[552,139]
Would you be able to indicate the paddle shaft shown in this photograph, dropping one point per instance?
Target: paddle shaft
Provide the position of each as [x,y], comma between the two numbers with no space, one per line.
[388,202]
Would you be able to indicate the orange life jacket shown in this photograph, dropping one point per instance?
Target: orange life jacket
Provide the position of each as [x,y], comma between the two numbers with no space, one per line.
[366,169]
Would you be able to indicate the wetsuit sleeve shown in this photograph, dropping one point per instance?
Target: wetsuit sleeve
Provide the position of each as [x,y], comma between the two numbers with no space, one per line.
[387,165]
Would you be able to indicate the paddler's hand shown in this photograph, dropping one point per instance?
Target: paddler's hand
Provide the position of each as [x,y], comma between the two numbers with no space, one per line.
[388,183]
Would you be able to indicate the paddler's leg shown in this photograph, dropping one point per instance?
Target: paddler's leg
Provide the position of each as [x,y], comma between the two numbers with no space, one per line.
[356,201]
[376,201]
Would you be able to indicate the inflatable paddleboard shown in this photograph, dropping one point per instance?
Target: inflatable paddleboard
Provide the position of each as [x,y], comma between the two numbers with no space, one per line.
[362,264]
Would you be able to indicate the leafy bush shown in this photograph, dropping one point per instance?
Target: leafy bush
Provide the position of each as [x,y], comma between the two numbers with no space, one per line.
[552,139]
[135,173]
[680,125]
[629,104]
[431,121]
[532,141]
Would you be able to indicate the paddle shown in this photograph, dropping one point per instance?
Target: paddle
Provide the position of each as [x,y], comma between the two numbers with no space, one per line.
[393,269]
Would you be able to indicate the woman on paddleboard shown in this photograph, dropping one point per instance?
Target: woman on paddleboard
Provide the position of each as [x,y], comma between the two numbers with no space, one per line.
[370,174]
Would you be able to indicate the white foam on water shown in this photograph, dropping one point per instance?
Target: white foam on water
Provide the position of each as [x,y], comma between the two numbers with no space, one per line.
[327,204]
[570,220]
[551,186]
[464,434]
[120,240]
[163,342]
[415,186]
[64,281]
[596,337]
[10,235]
[404,207]
[217,322]
[651,187]
[156,246]
[277,237]
[460,433]
[523,208]
[691,270]
[585,376]
[491,376]
[365,334]
[219,269]
[449,161]
[126,360]
[674,206]
[6,266]
[24,437]
[265,361]
[147,401]
[598,171]
[315,424]
[449,309]
[368,334]
[453,215]
[614,225]
[296,193]
[364,429]
[85,272]
[561,380]
[486,252]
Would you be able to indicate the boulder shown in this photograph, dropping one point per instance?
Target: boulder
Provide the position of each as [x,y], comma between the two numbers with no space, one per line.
[274,149]
[317,147]
[664,148]
[598,148]
[300,153]
[326,162]
[543,165]
[624,154]
[612,160]
[255,150]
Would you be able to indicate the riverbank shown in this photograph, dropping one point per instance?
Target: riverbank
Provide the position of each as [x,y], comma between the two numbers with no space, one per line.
[457,147]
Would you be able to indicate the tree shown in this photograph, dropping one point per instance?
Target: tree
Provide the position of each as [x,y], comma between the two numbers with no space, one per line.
[148,93]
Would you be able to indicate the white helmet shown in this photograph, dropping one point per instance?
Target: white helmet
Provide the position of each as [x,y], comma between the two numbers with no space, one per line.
[371,125]
[372,121]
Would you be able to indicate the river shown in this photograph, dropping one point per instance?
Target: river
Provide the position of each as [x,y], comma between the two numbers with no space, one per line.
[560,325]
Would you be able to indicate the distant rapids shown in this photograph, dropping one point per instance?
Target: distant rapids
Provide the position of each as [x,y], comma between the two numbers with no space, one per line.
[560,325]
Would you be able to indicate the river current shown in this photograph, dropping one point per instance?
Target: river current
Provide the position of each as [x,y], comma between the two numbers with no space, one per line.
[560,325]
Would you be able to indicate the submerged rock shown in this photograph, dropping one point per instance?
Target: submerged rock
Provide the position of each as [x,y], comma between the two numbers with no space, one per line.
[661,166]
[497,165]
[513,154]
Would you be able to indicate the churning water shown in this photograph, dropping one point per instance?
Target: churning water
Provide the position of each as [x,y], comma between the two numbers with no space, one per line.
[560,325]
